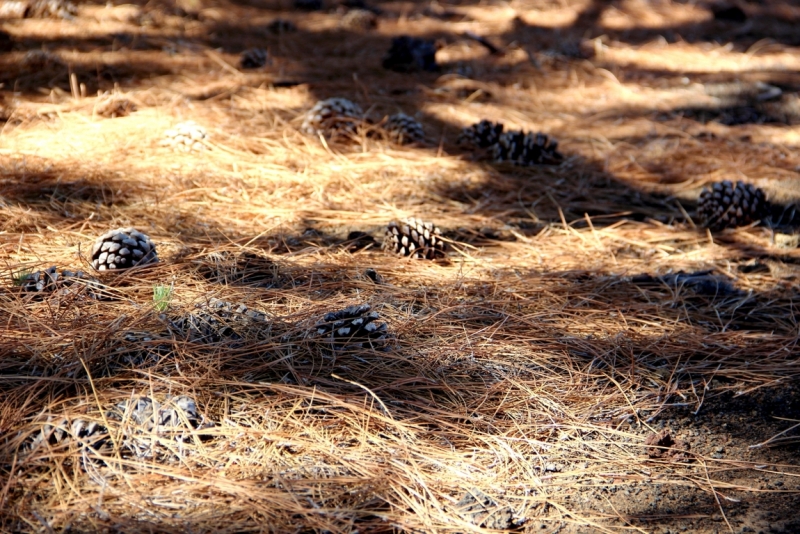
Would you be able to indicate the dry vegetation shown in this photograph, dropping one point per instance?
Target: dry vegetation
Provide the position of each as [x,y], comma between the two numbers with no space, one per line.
[533,365]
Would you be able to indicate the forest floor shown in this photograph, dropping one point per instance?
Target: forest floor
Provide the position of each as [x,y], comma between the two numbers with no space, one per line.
[555,373]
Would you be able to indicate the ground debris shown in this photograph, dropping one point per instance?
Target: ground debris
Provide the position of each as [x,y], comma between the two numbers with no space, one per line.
[662,446]
[483,511]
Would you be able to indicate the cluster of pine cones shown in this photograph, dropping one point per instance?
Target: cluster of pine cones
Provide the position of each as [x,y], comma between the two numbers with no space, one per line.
[515,147]
[144,426]
[341,118]
[725,205]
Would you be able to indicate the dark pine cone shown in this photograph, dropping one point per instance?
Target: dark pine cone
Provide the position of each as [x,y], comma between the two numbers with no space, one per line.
[121,249]
[50,280]
[404,129]
[526,149]
[481,134]
[354,328]
[415,238]
[728,205]
[411,54]
[253,58]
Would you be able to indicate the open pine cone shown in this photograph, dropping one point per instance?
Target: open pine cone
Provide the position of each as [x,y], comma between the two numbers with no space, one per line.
[148,422]
[122,248]
[253,58]
[219,320]
[415,238]
[332,117]
[359,20]
[482,134]
[404,129]
[728,205]
[354,328]
[186,136]
[411,54]
[526,149]
[51,281]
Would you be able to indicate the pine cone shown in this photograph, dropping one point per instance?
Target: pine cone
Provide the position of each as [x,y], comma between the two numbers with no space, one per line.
[354,328]
[141,349]
[728,205]
[415,238]
[359,20]
[404,129]
[186,136]
[411,54]
[111,106]
[50,281]
[331,117]
[89,437]
[149,421]
[151,415]
[121,249]
[59,9]
[253,58]
[520,148]
[219,320]
[245,269]
[481,134]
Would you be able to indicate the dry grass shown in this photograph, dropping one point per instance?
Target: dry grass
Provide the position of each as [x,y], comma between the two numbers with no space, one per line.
[530,367]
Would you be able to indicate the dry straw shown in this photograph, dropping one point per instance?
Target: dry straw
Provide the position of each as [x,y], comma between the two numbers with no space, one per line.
[531,365]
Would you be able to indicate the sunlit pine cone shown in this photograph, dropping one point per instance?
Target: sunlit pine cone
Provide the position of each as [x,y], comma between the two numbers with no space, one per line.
[415,238]
[122,248]
[354,327]
[333,116]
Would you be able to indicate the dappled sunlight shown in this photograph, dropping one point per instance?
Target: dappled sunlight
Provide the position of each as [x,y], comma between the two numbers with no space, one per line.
[579,354]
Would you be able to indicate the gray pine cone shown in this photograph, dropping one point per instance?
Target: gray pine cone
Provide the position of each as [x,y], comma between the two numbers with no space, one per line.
[219,320]
[404,129]
[51,281]
[332,117]
[359,20]
[122,248]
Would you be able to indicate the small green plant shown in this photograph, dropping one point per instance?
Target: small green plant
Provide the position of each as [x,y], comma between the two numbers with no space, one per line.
[19,277]
[161,297]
